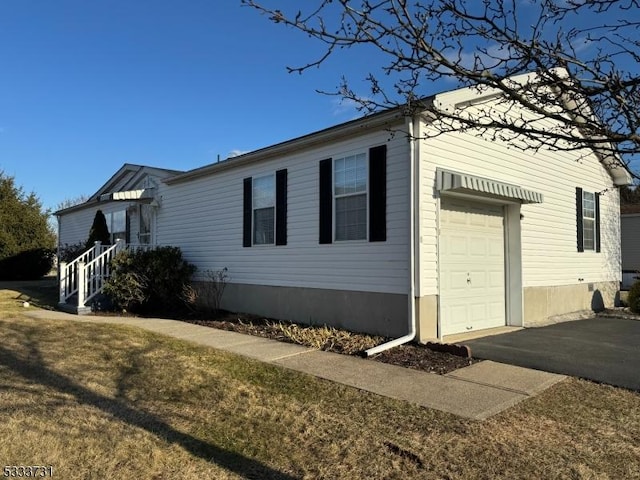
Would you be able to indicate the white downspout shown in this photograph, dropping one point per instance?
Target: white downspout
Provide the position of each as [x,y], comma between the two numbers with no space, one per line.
[412,258]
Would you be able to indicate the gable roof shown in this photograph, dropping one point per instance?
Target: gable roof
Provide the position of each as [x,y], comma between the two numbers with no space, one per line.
[470,95]
[128,175]
[123,180]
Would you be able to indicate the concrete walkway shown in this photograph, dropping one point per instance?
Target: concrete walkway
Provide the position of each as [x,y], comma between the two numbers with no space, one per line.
[477,392]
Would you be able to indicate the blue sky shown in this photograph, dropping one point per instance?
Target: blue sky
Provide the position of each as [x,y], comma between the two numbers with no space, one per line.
[86,86]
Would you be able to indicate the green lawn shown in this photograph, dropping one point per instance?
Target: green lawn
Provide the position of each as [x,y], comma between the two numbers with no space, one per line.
[101,401]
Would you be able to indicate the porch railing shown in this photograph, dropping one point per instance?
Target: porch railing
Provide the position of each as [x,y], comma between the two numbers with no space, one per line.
[85,276]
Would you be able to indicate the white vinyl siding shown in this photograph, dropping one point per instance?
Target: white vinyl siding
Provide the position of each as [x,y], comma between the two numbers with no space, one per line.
[548,229]
[350,197]
[204,217]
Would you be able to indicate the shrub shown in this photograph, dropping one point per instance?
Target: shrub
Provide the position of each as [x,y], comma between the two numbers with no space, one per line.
[26,238]
[149,280]
[69,252]
[634,297]
[27,265]
[99,231]
[210,291]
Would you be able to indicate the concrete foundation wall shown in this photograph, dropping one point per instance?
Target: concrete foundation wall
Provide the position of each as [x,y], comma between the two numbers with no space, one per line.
[386,314]
[369,312]
[427,318]
[541,304]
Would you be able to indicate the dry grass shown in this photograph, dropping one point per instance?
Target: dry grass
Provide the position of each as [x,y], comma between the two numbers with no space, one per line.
[100,401]
[327,338]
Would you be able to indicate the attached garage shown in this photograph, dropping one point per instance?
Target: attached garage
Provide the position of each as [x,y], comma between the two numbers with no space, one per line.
[479,252]
[472,266]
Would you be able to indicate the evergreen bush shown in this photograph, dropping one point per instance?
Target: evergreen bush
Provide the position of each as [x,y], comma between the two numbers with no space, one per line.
[149,280]
[26,238]
[27,265]
[634,297]
[99,231]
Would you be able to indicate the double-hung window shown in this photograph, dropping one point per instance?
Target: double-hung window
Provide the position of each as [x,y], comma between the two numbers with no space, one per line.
[353,197]
[588,220]
[117,225]
[350,196]
[264,210]
[264,219]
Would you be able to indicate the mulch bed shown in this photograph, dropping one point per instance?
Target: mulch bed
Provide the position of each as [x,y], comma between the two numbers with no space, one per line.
[418,357]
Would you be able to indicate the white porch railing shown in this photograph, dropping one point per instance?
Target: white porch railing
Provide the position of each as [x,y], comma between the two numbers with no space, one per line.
[85,276]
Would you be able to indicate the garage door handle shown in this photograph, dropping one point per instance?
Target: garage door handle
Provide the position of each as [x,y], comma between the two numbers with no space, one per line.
[468,279]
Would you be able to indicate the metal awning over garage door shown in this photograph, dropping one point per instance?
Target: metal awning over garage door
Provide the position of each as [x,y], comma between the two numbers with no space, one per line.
[456,182]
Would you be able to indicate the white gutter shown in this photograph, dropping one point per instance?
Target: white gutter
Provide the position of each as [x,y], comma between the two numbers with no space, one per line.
[412,258]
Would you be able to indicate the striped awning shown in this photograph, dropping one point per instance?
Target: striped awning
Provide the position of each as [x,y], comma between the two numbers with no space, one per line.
[456,182]
[139,195]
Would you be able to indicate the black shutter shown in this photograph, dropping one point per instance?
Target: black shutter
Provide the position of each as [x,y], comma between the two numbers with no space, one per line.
[378,194]
[127,227]
[326,201]
[580,231]
[597,195]
[281,207]
[247,207]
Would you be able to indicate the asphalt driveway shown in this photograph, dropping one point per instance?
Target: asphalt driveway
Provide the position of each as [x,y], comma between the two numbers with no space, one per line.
[602,349]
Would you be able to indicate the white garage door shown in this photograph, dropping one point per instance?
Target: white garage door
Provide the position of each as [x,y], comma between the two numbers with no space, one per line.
[472,278]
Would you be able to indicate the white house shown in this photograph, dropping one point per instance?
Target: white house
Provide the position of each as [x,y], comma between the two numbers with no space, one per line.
[374,225]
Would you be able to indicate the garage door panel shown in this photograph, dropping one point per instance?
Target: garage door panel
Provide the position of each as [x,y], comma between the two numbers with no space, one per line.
[496,250]
[478,312]
[478,247]
[472,286]
[458,280]
[496,280]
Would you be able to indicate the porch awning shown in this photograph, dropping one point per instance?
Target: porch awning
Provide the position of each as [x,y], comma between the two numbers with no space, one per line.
[139,195]
[456,182]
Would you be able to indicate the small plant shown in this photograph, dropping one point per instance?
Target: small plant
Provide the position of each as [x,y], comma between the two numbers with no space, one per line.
[216,283]
[634,297]
[69,252]
[210,291]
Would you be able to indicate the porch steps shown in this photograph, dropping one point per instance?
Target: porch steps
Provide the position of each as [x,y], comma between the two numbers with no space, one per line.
[83,279]
[71,306]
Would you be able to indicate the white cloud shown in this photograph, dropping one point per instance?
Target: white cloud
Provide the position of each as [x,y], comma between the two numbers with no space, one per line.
[347,107]
[236,153]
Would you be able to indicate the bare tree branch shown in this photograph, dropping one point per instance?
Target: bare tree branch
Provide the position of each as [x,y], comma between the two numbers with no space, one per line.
[585,55]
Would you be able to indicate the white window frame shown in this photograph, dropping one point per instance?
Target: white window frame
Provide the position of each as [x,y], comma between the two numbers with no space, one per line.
[272,176]
[141,208]
[109,217]
[336,196]
[588,219]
